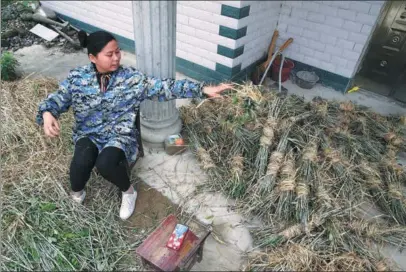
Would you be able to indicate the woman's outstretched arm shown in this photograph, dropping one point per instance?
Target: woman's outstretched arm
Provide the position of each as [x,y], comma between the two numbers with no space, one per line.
[167,89]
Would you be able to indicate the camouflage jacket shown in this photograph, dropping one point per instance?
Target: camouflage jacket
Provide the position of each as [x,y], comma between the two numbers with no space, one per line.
[108,118]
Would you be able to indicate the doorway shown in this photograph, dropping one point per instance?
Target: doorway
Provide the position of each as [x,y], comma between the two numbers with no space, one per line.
[384,65]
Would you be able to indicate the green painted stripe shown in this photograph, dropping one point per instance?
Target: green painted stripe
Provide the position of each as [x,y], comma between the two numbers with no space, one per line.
[231,33]
[197,71]
[125,43]
[195,75]
[201,73]
[233,12]
[337,82]
[227,70]
[230,53]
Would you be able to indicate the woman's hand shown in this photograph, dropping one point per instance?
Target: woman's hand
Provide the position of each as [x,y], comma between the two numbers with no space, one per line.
[51,125]
[214,91]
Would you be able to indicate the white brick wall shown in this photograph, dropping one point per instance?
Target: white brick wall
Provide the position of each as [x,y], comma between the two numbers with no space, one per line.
[330,35]
[197,28]
[262,22]
[114,16]
[209,6]
[198,25]
[207,16]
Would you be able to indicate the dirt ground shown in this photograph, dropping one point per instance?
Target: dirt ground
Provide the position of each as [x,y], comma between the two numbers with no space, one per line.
[151,208]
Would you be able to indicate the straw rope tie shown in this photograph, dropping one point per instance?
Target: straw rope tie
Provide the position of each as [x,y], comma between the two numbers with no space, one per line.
[291,232]
[394,192]
[397,141]
[268,132]
[287,185]
[274,163]
[347,106]
[389,136]
[358,226]
[310,153]
[237,165]
[334,156]
[208,129]
[302,189]
[373,182]
[271,122]
[381,266]
[371,231]
[265,141]
[205,159]
[322,194]
[288,168]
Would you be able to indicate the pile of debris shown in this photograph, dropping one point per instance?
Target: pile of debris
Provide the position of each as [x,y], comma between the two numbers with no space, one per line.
[17,21]
[304,169]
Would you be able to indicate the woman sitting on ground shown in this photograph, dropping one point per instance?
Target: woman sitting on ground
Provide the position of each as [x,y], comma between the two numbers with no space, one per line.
[105,98]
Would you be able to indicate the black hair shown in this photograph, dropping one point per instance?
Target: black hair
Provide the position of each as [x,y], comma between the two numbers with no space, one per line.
[95,42]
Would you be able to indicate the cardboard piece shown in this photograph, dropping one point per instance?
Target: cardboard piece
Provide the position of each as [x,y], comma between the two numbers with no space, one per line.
[44,32]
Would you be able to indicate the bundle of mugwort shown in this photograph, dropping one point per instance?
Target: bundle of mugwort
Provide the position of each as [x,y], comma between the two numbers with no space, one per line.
[304,169]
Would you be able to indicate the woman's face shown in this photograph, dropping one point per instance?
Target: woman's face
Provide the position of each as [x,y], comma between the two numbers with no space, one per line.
[108,60]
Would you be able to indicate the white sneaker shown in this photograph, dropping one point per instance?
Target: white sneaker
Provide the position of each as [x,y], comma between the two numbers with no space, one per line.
[79,199]
[127,205]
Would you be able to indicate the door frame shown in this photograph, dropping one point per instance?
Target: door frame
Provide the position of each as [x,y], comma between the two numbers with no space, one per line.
[381,17]
[378,23]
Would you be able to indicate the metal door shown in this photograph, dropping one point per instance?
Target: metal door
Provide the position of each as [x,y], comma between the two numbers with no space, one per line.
[385,58]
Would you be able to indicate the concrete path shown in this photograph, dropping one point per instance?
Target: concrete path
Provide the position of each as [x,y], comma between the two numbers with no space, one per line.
[54,63]
[176,177]
[378,103]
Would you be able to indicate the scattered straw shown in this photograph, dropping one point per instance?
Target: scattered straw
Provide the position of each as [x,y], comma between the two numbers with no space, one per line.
[43,229]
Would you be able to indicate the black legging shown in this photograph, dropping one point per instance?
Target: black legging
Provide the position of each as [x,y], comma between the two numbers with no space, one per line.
[111,163]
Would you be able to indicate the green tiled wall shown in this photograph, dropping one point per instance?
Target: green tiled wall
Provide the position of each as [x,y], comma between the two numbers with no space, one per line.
[231,33]
[230,53]
[233,12]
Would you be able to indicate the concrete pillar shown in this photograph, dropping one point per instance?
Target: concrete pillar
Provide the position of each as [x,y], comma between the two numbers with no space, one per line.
[155,49]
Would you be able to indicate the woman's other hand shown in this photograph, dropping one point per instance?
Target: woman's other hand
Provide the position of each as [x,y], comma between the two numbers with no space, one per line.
[214,91]
[51,125]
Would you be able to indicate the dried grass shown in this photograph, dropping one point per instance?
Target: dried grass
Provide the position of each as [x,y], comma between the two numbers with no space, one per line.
[42,228]
[298,257]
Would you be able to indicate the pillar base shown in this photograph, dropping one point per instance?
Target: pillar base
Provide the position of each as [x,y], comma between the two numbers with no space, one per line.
[155,138]
[158,121]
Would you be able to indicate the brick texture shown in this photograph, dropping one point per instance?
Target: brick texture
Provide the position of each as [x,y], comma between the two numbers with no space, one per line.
[332,35]
[110,15]
[197,32]
[262,21]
